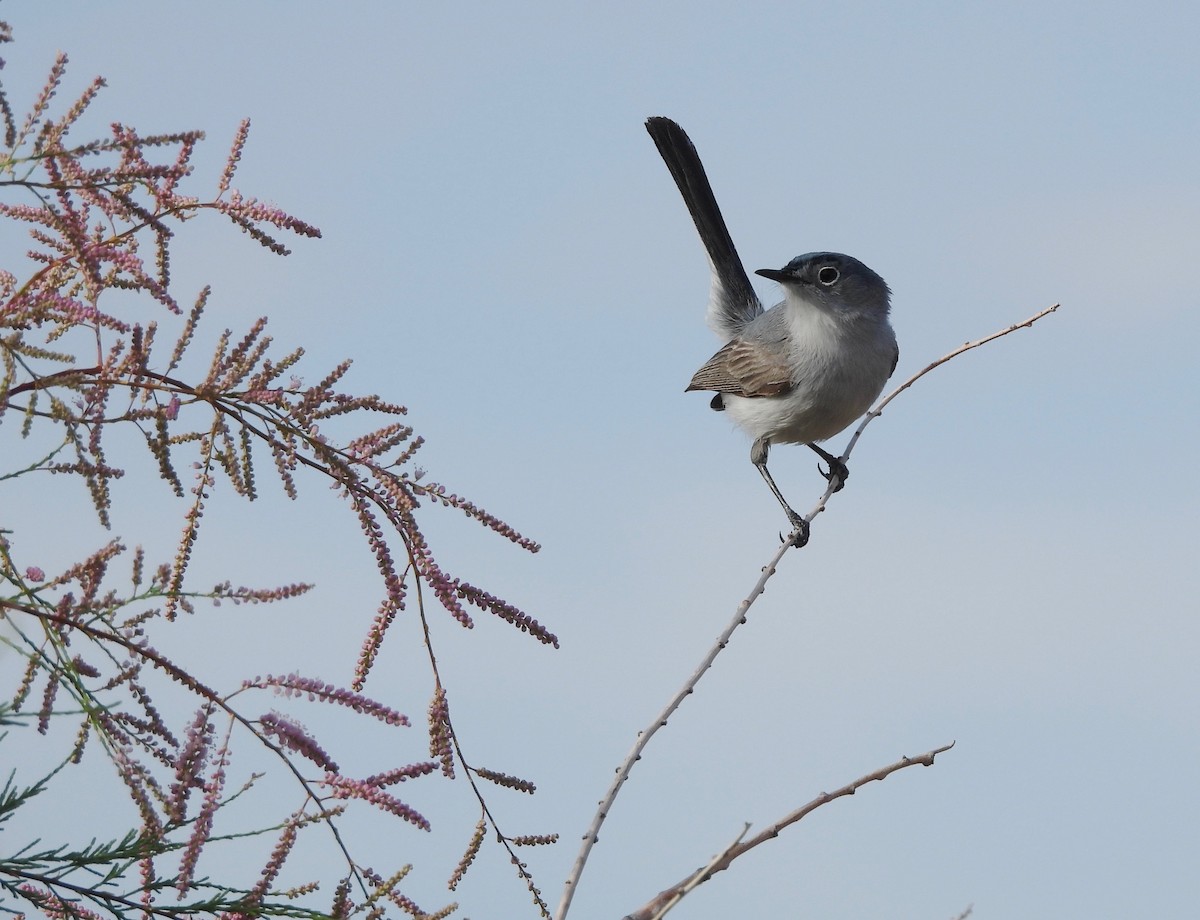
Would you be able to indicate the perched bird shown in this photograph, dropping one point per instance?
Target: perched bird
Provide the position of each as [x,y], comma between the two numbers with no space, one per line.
[803,370]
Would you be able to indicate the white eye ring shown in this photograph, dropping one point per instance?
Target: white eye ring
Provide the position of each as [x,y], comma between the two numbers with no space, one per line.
[828,275]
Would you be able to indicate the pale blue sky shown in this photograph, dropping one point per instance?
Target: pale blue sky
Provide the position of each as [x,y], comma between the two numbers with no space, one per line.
[1013,563]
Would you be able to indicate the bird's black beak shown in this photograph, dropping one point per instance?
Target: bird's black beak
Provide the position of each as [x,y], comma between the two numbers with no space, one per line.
[779,274]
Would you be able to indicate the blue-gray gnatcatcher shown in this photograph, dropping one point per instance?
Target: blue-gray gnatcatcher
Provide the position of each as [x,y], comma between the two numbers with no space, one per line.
[803,370]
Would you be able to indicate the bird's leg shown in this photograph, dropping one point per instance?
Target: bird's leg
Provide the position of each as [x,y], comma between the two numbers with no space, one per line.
[758,456]
[836,468]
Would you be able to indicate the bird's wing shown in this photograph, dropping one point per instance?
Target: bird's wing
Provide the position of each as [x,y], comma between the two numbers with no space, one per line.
[745,368]
[732,301]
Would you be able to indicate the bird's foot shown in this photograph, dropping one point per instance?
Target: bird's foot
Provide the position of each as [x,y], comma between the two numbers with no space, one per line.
[837,470]
[800,530]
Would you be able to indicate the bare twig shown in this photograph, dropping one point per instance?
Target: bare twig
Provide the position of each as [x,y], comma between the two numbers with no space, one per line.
[664,900]
[660,720]
[697,878]
[965,347]
[739,617]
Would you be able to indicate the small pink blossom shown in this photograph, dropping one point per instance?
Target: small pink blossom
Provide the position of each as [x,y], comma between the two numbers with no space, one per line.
[33,573]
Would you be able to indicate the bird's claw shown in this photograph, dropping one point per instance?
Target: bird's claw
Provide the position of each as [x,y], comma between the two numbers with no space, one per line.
[799,536]
[837,470]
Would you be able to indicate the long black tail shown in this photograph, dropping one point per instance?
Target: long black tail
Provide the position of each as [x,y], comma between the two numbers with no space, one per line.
[733,302]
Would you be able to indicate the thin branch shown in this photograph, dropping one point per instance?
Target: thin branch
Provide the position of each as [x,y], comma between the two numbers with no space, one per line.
[965,347]
[883,403]
[643,739]
[622,773]
[697,878]
[665,900]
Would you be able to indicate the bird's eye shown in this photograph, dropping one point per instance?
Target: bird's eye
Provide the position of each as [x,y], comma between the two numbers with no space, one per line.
[828,275]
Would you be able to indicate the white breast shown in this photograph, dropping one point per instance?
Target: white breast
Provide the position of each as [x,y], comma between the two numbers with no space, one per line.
[840,368]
